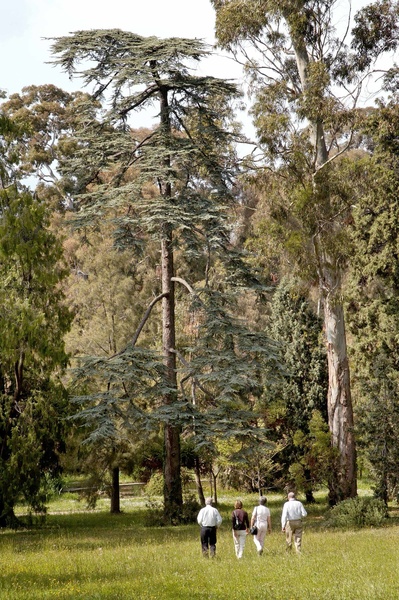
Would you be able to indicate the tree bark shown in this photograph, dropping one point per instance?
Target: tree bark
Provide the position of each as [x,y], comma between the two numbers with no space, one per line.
[339,402]
[173,496]
[115,493]
[200,489]
[214,491]
[310,499]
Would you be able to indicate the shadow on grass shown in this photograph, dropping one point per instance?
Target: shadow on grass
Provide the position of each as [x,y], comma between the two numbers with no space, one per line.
[90,531]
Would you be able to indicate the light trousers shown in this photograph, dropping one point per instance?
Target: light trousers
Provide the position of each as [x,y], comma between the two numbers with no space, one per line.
[239,538]
[293,531]
[259,538]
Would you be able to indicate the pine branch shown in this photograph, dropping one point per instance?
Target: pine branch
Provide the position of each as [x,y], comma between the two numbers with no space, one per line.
[190,374]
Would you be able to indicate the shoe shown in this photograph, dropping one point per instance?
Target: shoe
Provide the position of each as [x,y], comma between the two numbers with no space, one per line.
[260,552]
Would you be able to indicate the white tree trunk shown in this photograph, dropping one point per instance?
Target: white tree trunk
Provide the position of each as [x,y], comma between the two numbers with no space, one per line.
[339,402]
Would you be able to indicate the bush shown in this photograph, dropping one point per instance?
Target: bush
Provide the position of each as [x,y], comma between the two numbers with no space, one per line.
[358,512]
[154,490]
[154,516]
[154,486]
[190,509]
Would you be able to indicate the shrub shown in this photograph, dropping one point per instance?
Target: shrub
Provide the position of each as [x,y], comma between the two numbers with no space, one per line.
[154,516]
[358,512]
[190,509]
[154,486]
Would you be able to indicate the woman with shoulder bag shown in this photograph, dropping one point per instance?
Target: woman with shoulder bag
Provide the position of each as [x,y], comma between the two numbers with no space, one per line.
[240,525]
[262,521]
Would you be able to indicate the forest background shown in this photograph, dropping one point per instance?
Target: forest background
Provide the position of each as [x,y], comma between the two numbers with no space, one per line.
[172,304]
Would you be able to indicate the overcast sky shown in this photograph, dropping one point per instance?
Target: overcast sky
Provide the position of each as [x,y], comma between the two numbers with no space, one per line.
[24,24]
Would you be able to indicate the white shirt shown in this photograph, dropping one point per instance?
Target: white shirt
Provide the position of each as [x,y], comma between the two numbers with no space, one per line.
[261,513]
[209,517]
[292,510]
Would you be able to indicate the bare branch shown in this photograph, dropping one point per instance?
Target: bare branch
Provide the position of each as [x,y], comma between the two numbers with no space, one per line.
[141,324]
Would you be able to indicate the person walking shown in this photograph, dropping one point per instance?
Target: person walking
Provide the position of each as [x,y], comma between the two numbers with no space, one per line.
[240,525]
[262,521]
[209,519]
[291,522]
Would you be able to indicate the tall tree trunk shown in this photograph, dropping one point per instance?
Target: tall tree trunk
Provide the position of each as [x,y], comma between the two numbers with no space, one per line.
[339,401]
[173,496]
[115,493]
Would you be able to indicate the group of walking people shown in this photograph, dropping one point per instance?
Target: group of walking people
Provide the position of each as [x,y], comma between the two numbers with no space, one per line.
[259,526]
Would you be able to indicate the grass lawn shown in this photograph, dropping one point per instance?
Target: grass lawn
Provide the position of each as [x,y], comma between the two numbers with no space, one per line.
[94,555]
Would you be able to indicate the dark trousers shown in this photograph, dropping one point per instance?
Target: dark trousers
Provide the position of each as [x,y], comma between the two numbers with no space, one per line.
[208,540]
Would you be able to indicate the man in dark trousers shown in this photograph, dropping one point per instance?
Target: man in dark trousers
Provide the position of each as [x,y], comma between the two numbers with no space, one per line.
[209,518]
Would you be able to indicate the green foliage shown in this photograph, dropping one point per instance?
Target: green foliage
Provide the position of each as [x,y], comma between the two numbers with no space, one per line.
[44,119]
[154,486]
[375,31]
[372,307]
[358,512]
[173,186]
[188,152]
[33,320]
[155,516]
[247,463]
[378,428]
[315,457]
[100,288]
[306,79]
[296,402]
[10,131]
[190,509]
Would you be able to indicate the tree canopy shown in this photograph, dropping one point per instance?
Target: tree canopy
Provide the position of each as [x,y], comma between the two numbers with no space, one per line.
[202,283]
[171,186]
[307,80]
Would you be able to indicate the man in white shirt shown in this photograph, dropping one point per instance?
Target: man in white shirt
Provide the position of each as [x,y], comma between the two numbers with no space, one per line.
[209,518]
[291,521]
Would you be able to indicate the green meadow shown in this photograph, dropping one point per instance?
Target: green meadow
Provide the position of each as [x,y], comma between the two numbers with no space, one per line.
[94,555]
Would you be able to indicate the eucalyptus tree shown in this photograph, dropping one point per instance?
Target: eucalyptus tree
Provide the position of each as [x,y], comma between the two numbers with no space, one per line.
[308,78]
[174,186]
[10,131]
[45,116]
